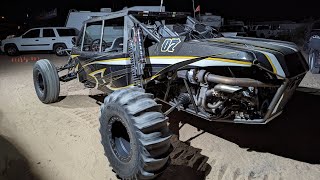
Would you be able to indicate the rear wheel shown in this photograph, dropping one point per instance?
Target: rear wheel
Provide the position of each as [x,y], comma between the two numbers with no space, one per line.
[59,49]
[135,135]
[314,58]
[46,81]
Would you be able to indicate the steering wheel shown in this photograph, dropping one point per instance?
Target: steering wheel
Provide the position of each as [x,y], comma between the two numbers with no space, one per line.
[95,45]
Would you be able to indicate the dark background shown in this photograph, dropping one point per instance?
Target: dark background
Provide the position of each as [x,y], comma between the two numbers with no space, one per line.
[243,9]
[15,12]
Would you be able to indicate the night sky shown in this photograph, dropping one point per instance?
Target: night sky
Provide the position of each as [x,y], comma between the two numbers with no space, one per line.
[257,10]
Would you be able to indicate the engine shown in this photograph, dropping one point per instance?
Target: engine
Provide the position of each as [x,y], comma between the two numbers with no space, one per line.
[223,98]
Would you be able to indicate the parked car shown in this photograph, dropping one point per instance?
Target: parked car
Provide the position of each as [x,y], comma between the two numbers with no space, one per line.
[40,39]
[233,30]
[314,29]
[265,31]
[311,31]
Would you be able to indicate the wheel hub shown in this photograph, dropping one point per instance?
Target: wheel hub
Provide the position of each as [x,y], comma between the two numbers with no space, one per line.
[59,50]
[119,139]
[11,50]
[40,82]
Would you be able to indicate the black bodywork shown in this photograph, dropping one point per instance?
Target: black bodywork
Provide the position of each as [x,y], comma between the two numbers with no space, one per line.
[192,67]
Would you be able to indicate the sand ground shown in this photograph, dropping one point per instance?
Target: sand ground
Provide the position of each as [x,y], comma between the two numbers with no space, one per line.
[61,141]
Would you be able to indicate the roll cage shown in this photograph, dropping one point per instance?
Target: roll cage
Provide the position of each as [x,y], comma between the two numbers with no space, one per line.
[112,32]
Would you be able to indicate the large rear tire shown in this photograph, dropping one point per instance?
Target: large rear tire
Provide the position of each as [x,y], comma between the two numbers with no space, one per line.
[135,135]
[46,81]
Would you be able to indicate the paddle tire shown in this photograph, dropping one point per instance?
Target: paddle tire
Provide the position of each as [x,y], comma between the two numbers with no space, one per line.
[134,134]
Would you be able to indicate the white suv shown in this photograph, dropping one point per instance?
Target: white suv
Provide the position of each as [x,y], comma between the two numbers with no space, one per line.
[40,39]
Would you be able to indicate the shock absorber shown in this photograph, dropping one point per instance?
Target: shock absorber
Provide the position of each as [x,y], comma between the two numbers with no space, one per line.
[137,56]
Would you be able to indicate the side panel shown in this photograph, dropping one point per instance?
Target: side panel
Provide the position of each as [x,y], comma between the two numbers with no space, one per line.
[102,70]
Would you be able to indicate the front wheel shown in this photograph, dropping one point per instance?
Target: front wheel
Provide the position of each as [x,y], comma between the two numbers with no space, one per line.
[134,134]
[12,50]
[46,81]
[314,58]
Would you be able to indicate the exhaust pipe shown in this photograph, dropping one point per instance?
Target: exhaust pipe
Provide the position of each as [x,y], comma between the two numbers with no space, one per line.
[210,106]
[226,88]
[218,88]
[243,82]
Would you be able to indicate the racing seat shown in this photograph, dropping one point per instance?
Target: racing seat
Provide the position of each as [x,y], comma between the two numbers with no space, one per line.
[117,45]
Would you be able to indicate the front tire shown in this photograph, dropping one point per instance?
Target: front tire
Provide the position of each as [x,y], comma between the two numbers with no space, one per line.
[11,50]
[134,133]
[313,59]
[46,81]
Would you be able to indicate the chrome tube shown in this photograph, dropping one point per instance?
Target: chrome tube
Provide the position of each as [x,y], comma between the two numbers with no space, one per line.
[207,105]
[226,88]
[276,99]
[243,82]
[215,105]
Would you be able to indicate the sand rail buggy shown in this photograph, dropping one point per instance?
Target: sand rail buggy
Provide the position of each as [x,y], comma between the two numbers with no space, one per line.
[140,58]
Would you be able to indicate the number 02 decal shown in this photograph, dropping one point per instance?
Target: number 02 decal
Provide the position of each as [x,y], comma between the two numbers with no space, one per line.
[168,45]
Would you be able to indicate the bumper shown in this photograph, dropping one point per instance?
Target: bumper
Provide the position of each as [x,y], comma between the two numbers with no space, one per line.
[279,101]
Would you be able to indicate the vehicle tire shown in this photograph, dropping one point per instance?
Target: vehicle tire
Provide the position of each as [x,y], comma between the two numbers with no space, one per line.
[58,49]
[134,134]
[11,50]
[313,58]
[46,81]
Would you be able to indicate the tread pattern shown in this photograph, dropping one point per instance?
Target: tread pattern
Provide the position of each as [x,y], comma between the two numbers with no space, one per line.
[150,127]
[51,78]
